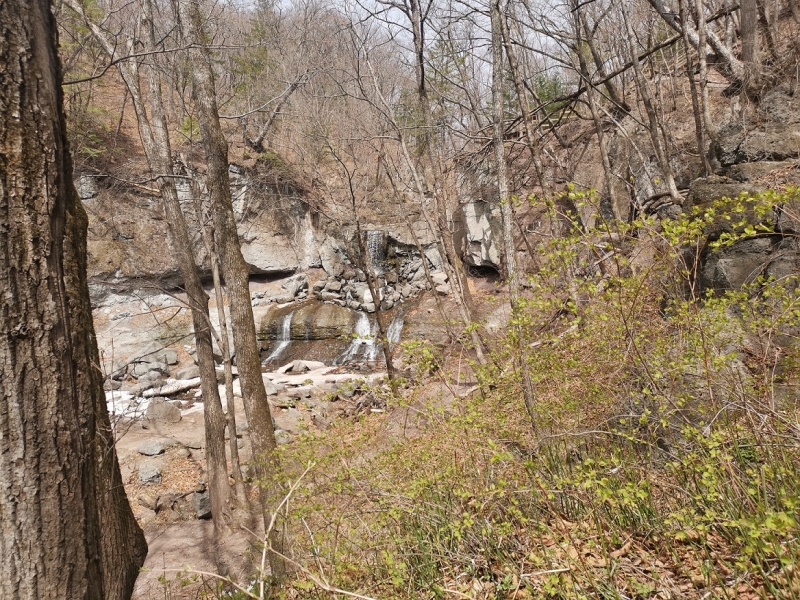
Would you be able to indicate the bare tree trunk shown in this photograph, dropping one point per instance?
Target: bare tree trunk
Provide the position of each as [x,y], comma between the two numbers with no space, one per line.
[656,127]
[700,18]
[235,270]
[591,100]
[450,258]
[497,19]
[697,101]
[155,142]
[748,32]
[525,113]
[223,339]
[66,528]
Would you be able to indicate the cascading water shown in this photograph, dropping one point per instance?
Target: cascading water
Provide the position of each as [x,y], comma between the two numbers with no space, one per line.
[363,343]
[395,329]
[284,338]
[376,249]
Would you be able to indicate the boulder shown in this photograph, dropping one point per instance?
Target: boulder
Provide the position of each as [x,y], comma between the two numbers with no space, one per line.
[333,286]
[483,232]
[443,290]
[202,504]
[368,307]
[295,284]
[151,448]
[149,473]
[439,278]
[162,412]
[189,372]
[273,389]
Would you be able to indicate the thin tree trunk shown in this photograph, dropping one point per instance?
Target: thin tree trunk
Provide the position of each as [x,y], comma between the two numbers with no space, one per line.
[235,270]
[598,122]
[66,528]
[525,113]
[748,32]
[497,19]
[656,127]
[451,261]
[223,338]
[697,110]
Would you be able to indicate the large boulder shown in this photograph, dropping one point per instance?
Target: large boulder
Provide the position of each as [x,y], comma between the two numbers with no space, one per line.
[483,234]
[162,412]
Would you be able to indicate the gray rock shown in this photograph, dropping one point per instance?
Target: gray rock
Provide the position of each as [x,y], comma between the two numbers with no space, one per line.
[149,473]
[158,367]
[282,437]
[439,278]
[111,384]
[183,453]
[195,442]
[299,392]
[169,356]
[387,304]
[119,370]
[443,290]
[406,291]
[147,501]
[369,307]
[333,286]
[390,276]
[151,448]
[273,389]
[151,379]
[162,412]
[319,285]
[295,284]
[188,372]
[202,504]
[483,233]
[330,296]
[283,299]
[300,366]
[348,274]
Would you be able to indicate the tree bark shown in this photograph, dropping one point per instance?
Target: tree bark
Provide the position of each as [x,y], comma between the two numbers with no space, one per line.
[748,32]
[234,268]
[66,528]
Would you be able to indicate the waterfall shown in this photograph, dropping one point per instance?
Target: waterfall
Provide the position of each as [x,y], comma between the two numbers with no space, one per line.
[376,249]
[395,329]
[363,343]
[284,338]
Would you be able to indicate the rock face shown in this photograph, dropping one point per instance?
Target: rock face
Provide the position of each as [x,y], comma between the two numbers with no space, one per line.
[483,234]
[775,138]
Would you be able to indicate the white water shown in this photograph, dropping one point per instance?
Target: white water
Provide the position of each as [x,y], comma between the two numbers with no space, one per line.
[284,337]
[376,249]
[395,330]
[363,344]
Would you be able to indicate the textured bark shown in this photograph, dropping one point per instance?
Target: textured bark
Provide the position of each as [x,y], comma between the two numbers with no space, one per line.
[748,32]
[234,268]
[66,528]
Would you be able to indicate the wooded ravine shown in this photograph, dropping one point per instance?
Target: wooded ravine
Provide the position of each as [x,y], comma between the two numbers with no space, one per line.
[412,299]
